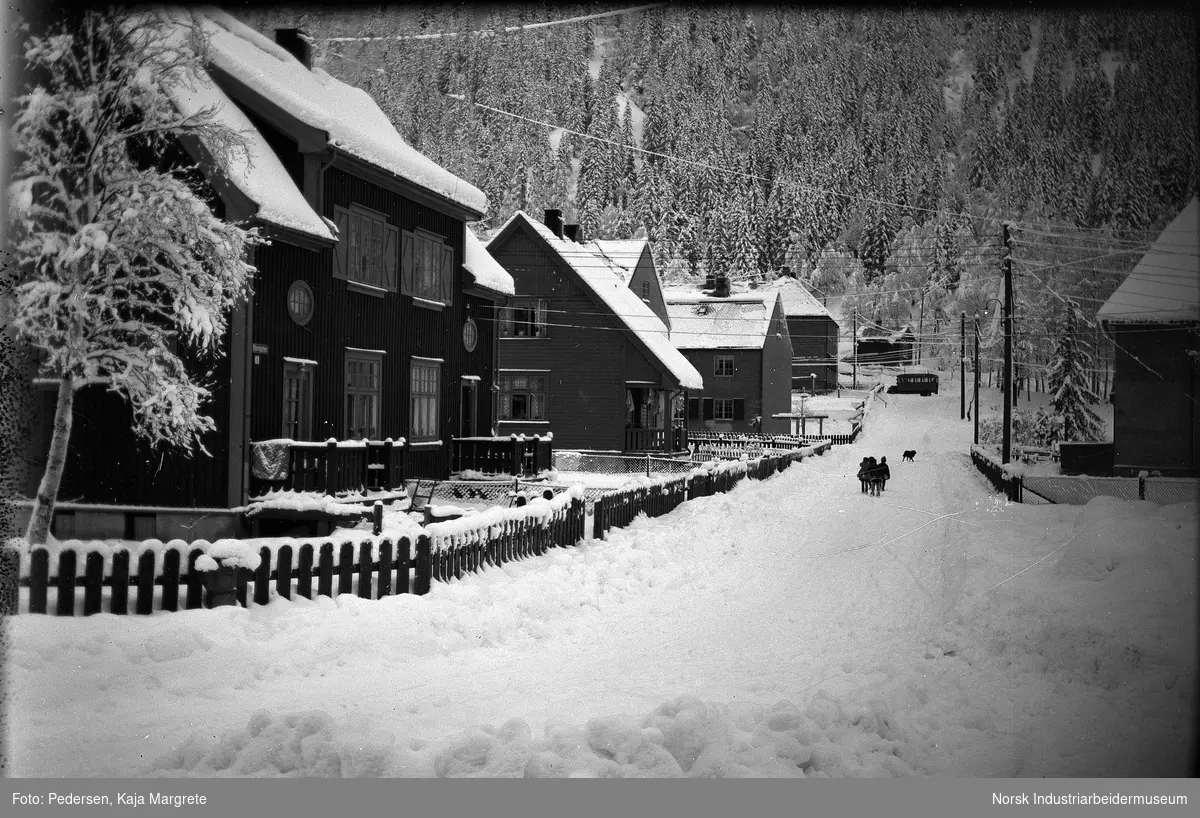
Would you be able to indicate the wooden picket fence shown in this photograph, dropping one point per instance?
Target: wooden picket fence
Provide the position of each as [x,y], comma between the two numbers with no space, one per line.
[371,569]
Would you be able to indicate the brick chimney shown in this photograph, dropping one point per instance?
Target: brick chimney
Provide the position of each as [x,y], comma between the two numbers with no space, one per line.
[573,232]
[722,287]
[554,221]
[785,272]
[296,43]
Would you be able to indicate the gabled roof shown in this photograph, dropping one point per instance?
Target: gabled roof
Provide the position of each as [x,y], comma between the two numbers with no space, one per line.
[486,270]
[1164,287]
[700,321]
[797,300]
[623,253]
[869,332]
[603,280]
[256,171]
[351,119]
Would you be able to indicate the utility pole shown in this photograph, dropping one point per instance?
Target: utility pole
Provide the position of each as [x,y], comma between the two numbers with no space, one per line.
[962,370]
[1008,334]
[854,342]
[976,398]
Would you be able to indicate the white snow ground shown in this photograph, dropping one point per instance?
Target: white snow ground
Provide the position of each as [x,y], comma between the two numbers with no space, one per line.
[792,627]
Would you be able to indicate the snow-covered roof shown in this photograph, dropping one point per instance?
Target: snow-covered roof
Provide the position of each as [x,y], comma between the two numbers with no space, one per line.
[699,321]
[487,271]
[1165,284]
[877,333]
[605,281]
[624,253]
[349,116]
[255,171]
[797,300]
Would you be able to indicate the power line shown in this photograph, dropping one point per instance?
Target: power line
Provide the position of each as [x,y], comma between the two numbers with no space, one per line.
[488,32]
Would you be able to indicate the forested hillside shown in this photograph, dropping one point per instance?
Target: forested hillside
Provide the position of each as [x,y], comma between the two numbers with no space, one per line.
[874,152]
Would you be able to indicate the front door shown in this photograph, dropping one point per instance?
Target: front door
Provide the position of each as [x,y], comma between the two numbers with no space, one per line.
[466,411]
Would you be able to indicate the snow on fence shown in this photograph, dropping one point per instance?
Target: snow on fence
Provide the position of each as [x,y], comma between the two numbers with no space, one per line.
[178,575]
[1020,487]
[605,463]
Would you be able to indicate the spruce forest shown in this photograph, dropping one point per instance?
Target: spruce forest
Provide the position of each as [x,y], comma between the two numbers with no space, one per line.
[875,153]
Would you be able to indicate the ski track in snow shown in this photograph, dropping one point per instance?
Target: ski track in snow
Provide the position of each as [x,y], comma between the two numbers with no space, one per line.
[793,626]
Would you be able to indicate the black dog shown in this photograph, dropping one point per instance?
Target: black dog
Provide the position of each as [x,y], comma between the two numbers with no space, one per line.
[909,455]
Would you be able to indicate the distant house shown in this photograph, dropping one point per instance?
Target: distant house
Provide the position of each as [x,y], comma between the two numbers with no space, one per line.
[740,344]
[1154,320]
[814,336]
[372,313]
[635,263]
[581,354]
[889,347]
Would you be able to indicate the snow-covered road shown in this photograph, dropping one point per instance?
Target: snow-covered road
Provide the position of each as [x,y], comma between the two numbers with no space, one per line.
[791,626]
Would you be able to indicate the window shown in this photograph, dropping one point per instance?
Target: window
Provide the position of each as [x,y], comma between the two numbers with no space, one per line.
[526,318]
[366,249]
[297,400]
[300,302]
[425,389]
[723,409]
[523,395]
[426,266]
[723,366]
[470,335]
[362,394]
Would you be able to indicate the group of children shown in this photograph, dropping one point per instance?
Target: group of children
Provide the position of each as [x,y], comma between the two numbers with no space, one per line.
[873,475]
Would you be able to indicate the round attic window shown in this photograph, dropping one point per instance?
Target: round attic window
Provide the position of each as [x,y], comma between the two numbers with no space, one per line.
[300,302]
[470,334]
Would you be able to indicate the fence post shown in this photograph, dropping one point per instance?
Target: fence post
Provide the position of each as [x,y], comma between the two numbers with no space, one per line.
[597,518]
[387,465]
[516,456]
[10,562]
[1141,486]
[424,566]
[330,464]
[647,464]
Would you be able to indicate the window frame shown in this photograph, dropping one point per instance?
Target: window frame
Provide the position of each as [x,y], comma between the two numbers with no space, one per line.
[300,286]
[508,319]
[506,390]
[426,267]
[303,401]
[381,276]
[348,390]
[718,404]
[718,360]
[429,410]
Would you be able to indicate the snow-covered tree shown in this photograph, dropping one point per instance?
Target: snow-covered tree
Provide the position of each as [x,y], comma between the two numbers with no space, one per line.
[1071,393]
[117,261]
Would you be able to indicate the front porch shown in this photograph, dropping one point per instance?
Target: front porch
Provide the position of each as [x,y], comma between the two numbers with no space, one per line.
[655,419]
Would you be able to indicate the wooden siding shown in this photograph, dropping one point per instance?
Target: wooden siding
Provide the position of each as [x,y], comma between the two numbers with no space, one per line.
[344,317]
[814,350]
[746,384]
[585,353]
[1156,423]
[107,462]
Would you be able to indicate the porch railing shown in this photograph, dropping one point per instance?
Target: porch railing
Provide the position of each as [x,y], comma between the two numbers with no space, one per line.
[332,467]
[656,440]
[514,455]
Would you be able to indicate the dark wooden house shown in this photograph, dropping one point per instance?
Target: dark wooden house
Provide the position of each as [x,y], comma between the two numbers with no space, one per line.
[739,343]
[367,340]
[814,336]
[1154,321]
[886,347]
[582,355]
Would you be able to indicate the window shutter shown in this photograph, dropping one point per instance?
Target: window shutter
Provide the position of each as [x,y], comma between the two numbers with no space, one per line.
[341,251]
[708,408]
[694,408]
[448,276]
[541,331]
[408,263]
[390,250]
[739,409]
